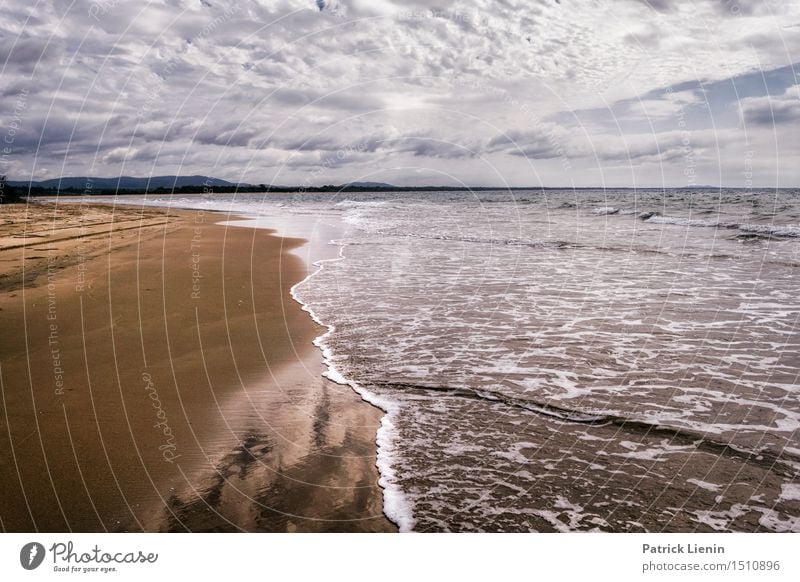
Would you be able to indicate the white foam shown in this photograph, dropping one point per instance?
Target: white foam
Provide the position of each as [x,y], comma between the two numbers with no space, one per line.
[395,503]
[770,229]
[704,485]
[721,520]
[790,231]
[605,210]
[790,492]
[678,221]
[773,521]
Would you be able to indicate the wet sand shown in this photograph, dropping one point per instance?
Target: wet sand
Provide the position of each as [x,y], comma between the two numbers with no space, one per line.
[157,376]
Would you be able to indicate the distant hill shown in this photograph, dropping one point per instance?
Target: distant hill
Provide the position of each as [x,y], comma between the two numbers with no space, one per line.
[124,183]
[72,186]
[376,185]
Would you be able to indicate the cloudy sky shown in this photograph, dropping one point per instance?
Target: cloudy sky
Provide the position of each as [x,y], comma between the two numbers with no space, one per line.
[477,92]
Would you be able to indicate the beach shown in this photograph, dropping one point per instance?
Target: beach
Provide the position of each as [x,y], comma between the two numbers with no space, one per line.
[158,376]
[526,363]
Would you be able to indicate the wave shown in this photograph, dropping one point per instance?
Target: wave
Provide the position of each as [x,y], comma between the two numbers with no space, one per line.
[569,245]
[514,242]
[779,462]
[655,218]
[362,203]
[772,230]
[605,210]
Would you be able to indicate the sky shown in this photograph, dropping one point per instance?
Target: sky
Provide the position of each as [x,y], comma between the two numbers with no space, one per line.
[622,93]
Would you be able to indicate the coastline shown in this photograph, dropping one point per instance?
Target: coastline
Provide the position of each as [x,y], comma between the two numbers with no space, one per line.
[186,393]
[395,505]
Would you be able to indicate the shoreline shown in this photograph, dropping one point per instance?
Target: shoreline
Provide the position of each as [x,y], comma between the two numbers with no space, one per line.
[395,505]
[177,355]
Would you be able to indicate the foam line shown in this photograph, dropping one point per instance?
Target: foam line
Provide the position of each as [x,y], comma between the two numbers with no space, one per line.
[395,504]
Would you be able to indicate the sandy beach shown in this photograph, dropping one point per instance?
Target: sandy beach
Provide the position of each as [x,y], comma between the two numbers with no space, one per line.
[157,376]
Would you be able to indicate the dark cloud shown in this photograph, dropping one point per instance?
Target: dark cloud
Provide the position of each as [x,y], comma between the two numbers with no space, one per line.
[16,88]
[537,145]
[38,133]
[431,148]
[659,5]
[771,112]
[239,136]
[346,101]
[161,131]
[551,141]
[721,7]
[25,53]
[645,147]
[315,143]
[346,150]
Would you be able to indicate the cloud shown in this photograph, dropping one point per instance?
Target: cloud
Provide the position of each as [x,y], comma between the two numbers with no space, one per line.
[545,142]
[659,5]
[721,7]
[432,147]
[24,54]
[549,141]
[230,136]
[241,89]
[641,148]
[420,144]
[767,111]
[117,155]
[772,111]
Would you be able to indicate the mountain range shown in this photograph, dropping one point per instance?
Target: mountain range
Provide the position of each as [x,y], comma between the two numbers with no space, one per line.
[90,184]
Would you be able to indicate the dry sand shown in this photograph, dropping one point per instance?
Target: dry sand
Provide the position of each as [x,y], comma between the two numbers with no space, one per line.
[157,376]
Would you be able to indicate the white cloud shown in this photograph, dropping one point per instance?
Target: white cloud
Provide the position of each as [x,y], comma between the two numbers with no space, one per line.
[773,111]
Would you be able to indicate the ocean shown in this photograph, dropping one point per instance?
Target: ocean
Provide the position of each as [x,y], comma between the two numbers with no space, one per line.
[563,360]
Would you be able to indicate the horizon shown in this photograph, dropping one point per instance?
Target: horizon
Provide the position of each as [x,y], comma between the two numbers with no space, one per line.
[354,183]
[334,91]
